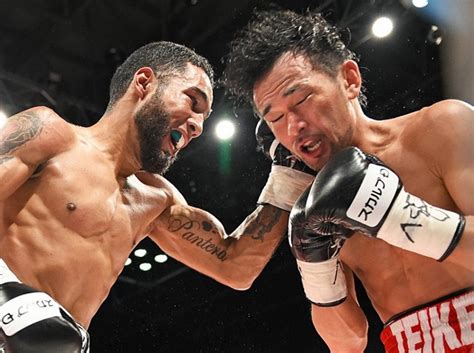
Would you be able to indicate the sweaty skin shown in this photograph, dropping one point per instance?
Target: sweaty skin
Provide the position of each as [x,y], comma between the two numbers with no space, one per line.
[315,115]
[74,203]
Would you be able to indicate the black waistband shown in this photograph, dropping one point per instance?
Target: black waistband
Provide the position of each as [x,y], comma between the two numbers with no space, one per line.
[425,305]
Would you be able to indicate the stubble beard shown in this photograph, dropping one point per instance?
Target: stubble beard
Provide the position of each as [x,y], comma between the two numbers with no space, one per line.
[153,125]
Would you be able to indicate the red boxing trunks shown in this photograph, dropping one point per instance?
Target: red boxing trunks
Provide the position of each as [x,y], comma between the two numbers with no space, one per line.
[443,326]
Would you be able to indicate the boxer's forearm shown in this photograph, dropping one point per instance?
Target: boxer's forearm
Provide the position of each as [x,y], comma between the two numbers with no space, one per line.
[343,327]
[198,239]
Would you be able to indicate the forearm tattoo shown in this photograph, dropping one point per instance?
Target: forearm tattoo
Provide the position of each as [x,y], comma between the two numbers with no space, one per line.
[263,223]
[192,231]
[19,130]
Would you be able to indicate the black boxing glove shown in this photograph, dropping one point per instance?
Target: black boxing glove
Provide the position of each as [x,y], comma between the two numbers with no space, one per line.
[289,176]
[32,322]
[316,255]
[357,191]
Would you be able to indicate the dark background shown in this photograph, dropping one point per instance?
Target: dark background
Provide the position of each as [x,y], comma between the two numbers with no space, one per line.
[62,53]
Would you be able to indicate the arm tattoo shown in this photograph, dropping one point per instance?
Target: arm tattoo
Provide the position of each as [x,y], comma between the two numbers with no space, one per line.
[263,224]
[19,130]
[191,231]
[5,159]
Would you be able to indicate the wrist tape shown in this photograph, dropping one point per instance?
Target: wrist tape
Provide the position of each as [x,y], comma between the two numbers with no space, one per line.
[413,224]
[284,186]
[324,283]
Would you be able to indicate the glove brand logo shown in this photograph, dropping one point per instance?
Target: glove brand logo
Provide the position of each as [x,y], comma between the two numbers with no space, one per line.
[374,196]
[25,310]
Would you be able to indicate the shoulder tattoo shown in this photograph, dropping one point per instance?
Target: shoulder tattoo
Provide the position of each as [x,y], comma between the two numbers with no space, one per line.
[18,130]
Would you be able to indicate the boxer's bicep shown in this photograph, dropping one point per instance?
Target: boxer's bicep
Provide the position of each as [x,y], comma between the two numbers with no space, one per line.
[195,238]
[17,145]
[198,239]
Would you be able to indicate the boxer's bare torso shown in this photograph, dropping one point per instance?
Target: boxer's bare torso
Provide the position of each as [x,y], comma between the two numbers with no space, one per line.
[70,227]
[427,149]
[71,220]
[397,280]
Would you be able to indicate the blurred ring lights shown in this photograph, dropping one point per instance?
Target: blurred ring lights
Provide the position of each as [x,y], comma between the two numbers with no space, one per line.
[382,27]
[139,252]
[225,129]
[145,266]
[420,3]
[161,258]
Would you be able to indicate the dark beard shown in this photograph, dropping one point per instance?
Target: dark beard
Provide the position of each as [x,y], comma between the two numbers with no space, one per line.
[152,122]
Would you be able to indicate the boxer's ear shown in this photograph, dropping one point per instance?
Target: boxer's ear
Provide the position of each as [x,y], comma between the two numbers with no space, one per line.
[142,81]
[352,78]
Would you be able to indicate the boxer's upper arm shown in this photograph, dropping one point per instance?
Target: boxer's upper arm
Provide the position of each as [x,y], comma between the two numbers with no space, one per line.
[453,149]
[28,139]
[198,239]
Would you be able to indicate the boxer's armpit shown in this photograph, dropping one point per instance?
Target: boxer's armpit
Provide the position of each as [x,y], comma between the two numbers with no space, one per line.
[18,130]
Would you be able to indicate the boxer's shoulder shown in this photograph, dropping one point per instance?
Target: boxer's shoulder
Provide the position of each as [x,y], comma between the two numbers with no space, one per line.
[448,113]
[433,133]
[445,127]
[39,115]
[449,108]
[35,134]
[158,185]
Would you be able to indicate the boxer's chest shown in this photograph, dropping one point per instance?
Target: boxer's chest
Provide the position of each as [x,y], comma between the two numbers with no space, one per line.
[84,196]
[419,176]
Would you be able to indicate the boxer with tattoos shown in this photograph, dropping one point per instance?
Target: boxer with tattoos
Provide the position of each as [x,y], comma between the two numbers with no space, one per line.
[75,201]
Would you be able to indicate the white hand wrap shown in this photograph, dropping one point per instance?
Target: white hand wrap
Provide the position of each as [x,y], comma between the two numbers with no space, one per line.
[324,283]
[415,225]
[284,186]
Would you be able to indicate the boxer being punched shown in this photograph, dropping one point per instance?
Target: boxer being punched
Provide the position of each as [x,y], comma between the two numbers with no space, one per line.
[75,201]
[414,253]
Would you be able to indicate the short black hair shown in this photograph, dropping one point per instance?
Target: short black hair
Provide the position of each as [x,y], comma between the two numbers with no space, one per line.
[272,33]
[163,57]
